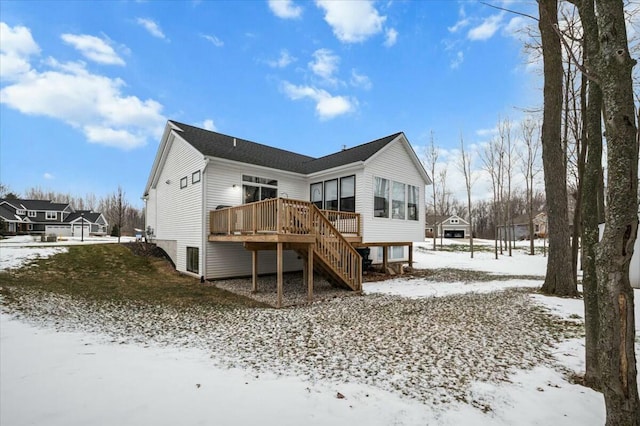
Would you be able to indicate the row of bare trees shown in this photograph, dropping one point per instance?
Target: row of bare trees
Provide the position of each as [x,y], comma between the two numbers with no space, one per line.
[512,155]
[122,216]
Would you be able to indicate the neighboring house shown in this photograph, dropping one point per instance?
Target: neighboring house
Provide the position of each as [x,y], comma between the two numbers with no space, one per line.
[46,217]
[213,201]
[448,226]
[521,226]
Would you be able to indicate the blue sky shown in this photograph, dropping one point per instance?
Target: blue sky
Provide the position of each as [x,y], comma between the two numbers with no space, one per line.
[86,87]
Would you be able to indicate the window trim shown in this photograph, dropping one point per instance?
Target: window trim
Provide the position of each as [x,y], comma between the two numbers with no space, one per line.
[47,215]
[260,183]
[327,187]
[32,213]
[21,212]
[184,182]
[340,196]
[195,177]
[313,187]
[385,211]
[193,255]
[401,202]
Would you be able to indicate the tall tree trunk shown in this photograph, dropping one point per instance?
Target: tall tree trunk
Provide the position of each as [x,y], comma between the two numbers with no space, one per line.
[591,184]
[615,295]
[559,277]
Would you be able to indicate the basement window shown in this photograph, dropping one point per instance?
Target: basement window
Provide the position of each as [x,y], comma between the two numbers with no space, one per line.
[193,259]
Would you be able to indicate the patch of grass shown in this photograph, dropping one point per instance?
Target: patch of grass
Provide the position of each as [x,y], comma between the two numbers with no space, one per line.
[111,272]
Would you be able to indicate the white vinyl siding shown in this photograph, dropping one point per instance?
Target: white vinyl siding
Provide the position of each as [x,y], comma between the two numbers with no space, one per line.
[223,259]
[394,163]
[175,213]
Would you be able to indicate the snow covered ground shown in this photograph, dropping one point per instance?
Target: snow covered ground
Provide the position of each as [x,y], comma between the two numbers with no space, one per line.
[51,376]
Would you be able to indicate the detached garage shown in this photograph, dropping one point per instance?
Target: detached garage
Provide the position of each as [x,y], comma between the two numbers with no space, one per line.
[449,227]
[60,230]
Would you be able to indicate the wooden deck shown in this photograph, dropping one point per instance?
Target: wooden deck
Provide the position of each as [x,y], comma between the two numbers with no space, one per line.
[323,239]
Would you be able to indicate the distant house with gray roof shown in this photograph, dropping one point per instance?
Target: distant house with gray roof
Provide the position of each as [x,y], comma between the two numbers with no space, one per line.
[201,179]
[20,216]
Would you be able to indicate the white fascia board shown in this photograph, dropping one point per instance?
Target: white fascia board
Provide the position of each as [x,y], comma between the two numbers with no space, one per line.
[161,154]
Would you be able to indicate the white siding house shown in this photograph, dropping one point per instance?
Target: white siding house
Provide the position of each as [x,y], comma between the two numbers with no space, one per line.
[223,171]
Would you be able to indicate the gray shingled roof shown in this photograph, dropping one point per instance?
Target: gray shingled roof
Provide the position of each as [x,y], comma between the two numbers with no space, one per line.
[215,144]
[36,205]
[88,216]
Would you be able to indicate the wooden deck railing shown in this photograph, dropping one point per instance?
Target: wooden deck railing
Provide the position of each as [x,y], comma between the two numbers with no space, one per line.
[286,216]
[263,217]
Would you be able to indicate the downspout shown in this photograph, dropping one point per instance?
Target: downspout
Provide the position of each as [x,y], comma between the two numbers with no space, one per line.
[205,220]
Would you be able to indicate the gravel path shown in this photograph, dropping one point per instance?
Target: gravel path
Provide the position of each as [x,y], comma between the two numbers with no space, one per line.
[294,289]
[429,349]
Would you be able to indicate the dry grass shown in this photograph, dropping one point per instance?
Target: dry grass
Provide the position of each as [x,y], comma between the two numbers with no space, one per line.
[109,272]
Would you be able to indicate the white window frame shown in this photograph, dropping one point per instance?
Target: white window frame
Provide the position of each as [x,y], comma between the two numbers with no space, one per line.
[21,212]
[32,213]
[48,215]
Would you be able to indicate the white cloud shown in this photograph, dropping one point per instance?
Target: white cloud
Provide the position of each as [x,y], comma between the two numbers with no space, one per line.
[459,25]
[93,48]
[486,29]
[360,80]
[213,40]
[352,21]
[325,64]
[283,60]
[391,37]
[327,106]
[89,102]
[285,9]
[152,27]
[208,124]
[15,50]
[457,61]
[48,176]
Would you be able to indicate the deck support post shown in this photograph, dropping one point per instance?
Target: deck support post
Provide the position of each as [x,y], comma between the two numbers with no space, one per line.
[411,256]
[279,262]
[309,270]
[254,271]
[385,257]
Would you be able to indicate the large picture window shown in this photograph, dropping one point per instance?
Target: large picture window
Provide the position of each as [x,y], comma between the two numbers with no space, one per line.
[331,194]
[348,194]
[193,259]
[381,198]
[258,189]
[397,201]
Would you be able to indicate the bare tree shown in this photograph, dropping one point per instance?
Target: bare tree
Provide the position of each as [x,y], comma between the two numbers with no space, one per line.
[559,277]
[504,129]
[431,157]
[491,161]
[444,197]
[530,168]
[465,167]
[614,67]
